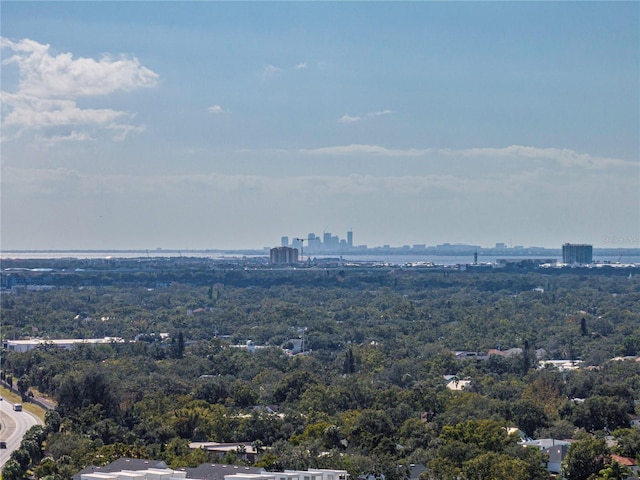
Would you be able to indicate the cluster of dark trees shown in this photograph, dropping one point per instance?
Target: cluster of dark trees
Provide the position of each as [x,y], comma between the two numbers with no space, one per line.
[368,395]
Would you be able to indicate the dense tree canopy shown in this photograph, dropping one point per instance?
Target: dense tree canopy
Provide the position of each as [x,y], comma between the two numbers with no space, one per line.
[368,394]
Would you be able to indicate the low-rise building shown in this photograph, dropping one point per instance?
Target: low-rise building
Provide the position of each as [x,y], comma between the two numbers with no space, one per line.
[216,471]
[244,451]
[561,365]
[66,344]
[628,462]
[139,469]
[555,450]
[458,385]
[310,474]
[468,355]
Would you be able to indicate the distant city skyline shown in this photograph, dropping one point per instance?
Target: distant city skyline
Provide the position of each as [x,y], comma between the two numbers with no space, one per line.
[328,242]
[224,125]
[329,239]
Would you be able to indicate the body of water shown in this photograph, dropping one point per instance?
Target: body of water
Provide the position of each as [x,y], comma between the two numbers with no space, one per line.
[393,259]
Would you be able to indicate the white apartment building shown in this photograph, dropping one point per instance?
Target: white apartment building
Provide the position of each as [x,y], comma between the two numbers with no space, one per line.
[148,474]
[311,474]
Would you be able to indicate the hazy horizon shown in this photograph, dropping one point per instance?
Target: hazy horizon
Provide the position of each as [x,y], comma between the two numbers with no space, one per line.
[226,125]
[356,249]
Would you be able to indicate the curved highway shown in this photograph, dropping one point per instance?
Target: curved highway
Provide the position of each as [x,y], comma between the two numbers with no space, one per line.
[14,426]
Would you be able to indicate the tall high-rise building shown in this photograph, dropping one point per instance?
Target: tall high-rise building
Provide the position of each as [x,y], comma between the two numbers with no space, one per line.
[314,244]
[326,239]
[284,255]
[577,253]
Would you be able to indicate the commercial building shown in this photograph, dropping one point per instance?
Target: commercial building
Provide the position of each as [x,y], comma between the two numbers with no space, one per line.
[65,344]
[577,253]
[284,255]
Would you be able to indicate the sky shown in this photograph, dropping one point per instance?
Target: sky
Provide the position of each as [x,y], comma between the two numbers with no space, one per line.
[226,125]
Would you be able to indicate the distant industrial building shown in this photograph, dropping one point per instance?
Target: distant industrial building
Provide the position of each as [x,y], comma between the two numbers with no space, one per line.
[284,255]
[577,253]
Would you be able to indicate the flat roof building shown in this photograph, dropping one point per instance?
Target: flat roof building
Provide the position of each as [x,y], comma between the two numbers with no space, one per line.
[65,344]
[138,469]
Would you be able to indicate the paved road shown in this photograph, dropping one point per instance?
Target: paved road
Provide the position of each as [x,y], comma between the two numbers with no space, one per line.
[14,426]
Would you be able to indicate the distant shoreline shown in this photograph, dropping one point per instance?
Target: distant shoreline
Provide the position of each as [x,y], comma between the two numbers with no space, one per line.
[396,256]
[454,250]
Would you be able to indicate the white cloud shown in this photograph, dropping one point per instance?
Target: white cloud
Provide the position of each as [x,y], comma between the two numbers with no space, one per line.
[363,149]
[269,71]
[50,85]
[68,181]
[45,75]
[216,109]
[380,113]
[565,157]
[31,111]
[356,185]
[348,119]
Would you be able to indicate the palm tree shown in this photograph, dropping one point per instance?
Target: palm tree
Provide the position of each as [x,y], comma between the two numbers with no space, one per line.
[614,471]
